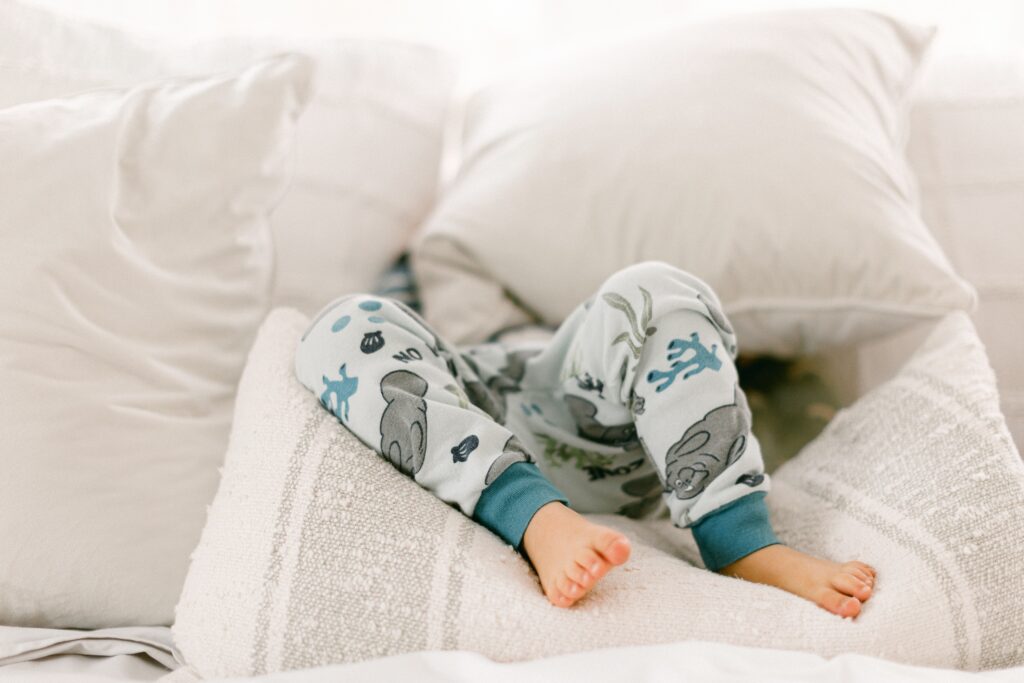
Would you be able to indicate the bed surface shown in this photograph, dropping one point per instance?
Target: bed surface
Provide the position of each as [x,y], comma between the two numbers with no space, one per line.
[127,655]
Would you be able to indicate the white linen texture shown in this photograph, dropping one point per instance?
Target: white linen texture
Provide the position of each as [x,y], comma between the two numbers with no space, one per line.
[135,266]
[762,153]
[318,551]
[352,203]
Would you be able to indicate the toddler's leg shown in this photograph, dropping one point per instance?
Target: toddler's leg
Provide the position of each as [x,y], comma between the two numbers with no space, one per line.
[657,340]
[386,376]
[407,394]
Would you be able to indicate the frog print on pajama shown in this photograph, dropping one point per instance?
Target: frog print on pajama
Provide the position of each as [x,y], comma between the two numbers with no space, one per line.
[456,419]
[702,359]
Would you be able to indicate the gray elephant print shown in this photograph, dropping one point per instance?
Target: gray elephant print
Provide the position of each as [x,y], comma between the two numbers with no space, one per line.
[490,396]
[479,395]
[583,412]
[648,489]
[513,452]
[403,425]
[707,448]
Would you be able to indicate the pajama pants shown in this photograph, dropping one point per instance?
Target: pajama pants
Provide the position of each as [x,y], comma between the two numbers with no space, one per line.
[632,404]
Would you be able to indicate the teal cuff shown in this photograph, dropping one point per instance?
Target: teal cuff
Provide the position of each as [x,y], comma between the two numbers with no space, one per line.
[509,503]
[734,531]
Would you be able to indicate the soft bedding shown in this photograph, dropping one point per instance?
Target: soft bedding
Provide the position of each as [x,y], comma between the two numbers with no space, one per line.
[85,669]
[19,644]
[135,269]
[318,551]
[698,660]
[683,662]
[689,662]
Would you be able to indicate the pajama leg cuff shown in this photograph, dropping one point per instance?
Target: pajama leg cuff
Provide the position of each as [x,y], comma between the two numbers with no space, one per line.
[509,503]
[734,531]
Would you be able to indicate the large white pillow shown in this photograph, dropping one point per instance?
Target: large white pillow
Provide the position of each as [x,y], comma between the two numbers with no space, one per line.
[135,265]
[761,152]
[368,146]
[318,551]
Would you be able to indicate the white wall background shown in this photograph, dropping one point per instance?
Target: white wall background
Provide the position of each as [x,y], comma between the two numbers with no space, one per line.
[493,34]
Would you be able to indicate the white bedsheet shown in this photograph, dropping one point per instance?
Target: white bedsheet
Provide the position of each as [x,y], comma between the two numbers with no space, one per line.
[84,669]
[146,654]
[677,662]
[137,653]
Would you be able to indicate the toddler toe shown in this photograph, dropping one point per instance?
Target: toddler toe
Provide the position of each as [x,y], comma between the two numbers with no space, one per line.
[556,598]
[570,588]
[577,573]
[613,546]
[851,585]
[865,568]
[837,603]
[862,574]
[592,563]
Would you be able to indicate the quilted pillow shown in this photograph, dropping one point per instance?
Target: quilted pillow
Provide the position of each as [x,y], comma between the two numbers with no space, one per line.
[318,551]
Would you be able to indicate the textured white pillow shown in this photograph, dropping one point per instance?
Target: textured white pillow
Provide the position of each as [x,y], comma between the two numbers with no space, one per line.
[761,152]
[368,146]
[317,550]
[135,267]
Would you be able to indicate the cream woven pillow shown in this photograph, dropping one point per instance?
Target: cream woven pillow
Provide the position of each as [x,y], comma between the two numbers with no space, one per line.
[318,551]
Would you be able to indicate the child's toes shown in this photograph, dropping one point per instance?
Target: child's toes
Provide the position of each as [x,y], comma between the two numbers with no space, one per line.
[559,600]
[570,589]
[595,565]
[581,576]
[837,603]
[851,585]
[556,597]
[865,568]
[862,575]
[613,546]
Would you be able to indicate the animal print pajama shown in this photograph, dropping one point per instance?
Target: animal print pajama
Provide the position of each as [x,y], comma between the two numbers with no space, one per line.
[632,403]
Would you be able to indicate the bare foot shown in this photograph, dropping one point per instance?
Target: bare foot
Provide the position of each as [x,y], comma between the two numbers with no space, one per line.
[839,588]
[569,553]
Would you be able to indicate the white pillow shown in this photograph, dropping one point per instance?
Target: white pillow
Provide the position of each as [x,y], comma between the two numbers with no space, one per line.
[762,153]
[135,267]
[368,146]
[318,551]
